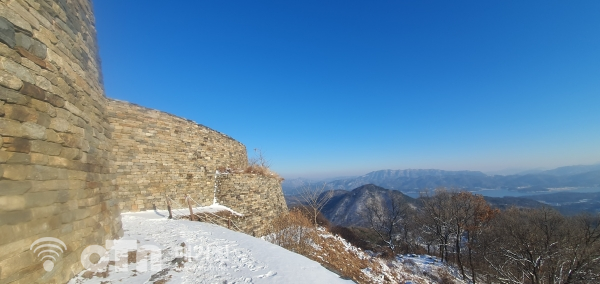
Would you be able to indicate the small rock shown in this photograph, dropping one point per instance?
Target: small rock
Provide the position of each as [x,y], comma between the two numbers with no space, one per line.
[33,58]
[33,91]
[34,130]
[23,40]
[17,70]
[10,81]
[7,32]
[43,83]
[39,49]
[14,144]
[18,22]
[8,52]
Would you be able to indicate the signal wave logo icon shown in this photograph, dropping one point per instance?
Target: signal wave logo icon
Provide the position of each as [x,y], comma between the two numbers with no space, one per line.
[49,247]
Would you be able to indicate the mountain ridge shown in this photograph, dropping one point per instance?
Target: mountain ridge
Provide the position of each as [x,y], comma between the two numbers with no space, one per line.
[420,179]
[347,208]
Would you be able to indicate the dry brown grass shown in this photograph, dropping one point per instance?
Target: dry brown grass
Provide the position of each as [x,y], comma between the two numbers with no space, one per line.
[348,264]
[256,165]
[259,165]
[445,277]
[295,232]
[261,170]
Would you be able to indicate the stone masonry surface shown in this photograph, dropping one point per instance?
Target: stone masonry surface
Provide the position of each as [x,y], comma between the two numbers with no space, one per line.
[71,160]
[158,153]
[56,166]
[259,198]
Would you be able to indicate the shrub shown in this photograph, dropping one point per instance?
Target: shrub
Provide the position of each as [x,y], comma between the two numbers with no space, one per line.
[445,277]
[308,212]
[350,236]
[293,231]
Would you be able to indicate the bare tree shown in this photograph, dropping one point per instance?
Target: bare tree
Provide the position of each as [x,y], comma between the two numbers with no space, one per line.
[518,245]
[389,219]
[314,200]
[472,214]
[437,219]
[528,245]
[581,262]
[259,165]
[259,160]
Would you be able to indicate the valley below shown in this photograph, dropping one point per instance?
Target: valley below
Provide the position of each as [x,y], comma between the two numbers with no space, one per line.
[570,190]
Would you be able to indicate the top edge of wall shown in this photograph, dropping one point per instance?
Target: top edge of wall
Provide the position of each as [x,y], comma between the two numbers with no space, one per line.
[174,116]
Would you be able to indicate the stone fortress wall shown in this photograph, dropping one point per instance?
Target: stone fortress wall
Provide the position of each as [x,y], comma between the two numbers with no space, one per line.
[57,178]
[71,160]
[158,154]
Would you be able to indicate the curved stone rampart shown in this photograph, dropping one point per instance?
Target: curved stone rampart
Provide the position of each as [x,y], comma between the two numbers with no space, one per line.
[157,153]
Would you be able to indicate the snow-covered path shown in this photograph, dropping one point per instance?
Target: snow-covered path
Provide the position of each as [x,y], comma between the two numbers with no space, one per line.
[195,252]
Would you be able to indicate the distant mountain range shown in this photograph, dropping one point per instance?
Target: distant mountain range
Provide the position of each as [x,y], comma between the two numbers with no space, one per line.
[347,208]
[419,179]
[572,170]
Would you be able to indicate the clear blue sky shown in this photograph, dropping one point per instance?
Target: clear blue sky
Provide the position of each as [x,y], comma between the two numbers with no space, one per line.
[328,88]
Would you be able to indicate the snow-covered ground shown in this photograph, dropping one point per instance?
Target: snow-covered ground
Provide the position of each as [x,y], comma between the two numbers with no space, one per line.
[195,252]
[408,268]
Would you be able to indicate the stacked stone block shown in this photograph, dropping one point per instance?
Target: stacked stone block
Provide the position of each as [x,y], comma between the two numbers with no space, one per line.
[56,173]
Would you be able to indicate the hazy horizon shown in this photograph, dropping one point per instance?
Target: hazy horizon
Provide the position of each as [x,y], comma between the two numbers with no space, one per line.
[505,171]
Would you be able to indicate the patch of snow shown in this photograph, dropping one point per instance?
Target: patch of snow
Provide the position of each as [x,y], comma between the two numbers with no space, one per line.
[196,252]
